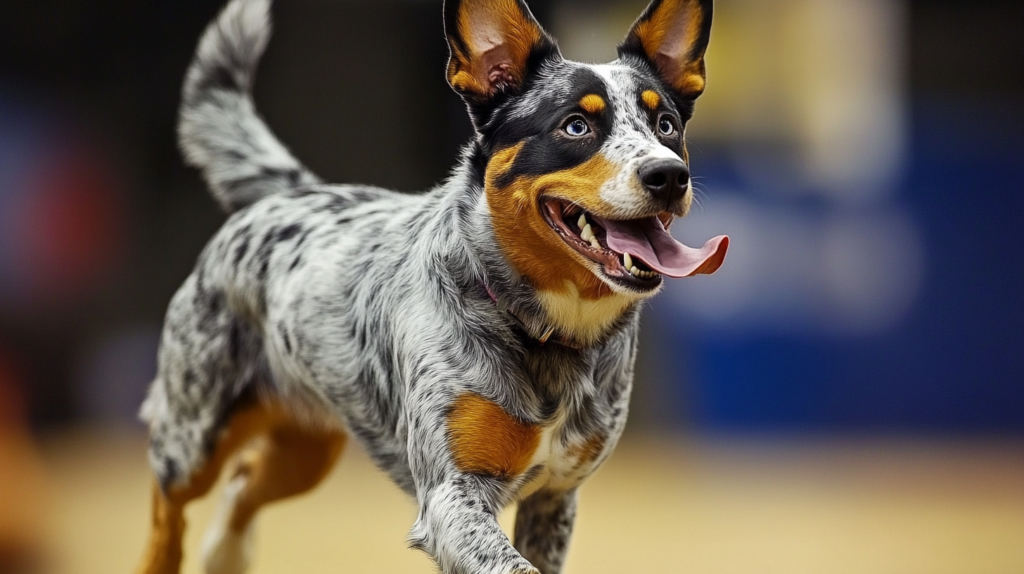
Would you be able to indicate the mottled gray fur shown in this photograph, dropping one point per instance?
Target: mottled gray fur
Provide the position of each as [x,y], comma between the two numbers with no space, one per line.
[367,309]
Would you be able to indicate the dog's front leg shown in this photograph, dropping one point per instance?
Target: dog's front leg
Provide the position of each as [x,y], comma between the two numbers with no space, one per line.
[458,527]
[468,456]
[543,527]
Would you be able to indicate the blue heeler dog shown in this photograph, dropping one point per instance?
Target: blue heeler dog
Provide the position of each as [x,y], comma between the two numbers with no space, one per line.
[478,339]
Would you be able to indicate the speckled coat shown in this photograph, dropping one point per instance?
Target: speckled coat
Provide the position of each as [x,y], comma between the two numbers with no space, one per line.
[402,319]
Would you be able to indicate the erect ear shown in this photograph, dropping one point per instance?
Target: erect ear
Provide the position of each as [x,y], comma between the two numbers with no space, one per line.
[673,35]
[492,43]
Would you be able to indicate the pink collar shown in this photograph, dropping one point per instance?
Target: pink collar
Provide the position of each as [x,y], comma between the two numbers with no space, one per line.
[503,306]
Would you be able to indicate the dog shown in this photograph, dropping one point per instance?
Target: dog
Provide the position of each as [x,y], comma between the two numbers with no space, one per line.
[478,340]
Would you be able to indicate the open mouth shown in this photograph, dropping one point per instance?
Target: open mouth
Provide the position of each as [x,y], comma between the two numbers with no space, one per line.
[581,231]
[635,253]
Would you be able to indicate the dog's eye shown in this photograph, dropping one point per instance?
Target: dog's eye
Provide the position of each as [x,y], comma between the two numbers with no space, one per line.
[666,126]
[577,128]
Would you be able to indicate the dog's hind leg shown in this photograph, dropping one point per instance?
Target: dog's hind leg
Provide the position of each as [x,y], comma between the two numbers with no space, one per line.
[164,551]
[289,460]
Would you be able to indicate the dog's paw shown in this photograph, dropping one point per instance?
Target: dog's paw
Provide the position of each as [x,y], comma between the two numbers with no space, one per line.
[226,551]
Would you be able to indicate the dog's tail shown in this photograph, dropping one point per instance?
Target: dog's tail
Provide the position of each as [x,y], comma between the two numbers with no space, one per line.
[219,130]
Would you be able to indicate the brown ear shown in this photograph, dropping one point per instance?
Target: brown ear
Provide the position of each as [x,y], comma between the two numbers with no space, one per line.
[673,35]
[492,43]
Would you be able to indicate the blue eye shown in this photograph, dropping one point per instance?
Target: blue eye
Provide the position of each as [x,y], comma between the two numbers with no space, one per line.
[666,126]
[577,128]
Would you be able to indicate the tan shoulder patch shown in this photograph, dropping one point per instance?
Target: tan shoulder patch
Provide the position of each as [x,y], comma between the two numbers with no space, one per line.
[484,439]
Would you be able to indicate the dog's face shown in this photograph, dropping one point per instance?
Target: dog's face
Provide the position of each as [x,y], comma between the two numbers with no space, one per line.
[586,164]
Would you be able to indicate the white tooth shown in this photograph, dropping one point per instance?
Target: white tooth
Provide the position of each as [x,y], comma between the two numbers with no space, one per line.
[627,261]
[582,221]
[587,233]
[634,270]
[594,243]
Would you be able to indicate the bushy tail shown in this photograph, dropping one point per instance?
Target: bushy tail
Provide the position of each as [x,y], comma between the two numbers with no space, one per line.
[219,130]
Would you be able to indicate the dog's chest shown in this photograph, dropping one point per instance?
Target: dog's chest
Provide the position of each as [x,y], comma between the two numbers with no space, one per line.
[565,458]
[556,454]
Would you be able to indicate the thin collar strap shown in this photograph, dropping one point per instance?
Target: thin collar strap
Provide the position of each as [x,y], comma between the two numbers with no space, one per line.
[549,332]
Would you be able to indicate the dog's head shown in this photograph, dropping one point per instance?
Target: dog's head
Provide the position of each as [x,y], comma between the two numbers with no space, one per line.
[585,165]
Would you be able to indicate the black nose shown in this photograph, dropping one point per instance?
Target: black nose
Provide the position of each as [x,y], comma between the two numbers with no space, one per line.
[666,179]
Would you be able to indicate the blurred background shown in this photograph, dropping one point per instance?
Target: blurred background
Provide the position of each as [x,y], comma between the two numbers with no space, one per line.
[845,395]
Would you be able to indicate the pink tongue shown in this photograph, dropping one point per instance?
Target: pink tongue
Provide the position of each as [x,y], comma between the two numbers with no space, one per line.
[648,240]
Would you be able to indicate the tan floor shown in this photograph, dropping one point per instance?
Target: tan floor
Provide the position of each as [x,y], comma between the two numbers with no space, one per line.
[657,507]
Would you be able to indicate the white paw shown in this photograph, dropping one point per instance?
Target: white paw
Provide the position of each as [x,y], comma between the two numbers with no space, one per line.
[224,550]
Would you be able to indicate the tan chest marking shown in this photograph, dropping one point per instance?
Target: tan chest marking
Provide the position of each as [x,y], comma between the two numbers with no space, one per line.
[579,317]
[587,452]
[564,466]
[484,439]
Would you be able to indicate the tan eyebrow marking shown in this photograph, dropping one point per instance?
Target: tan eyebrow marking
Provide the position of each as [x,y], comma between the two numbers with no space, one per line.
[593,104]
[651,99]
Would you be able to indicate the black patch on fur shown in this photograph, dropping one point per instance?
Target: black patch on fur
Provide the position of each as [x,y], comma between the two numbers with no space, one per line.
[292,176]
[288,232]
[234,342]
[167,474]
[286,339]
[241,249]
[209,307]
[548,148]
[219,77]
